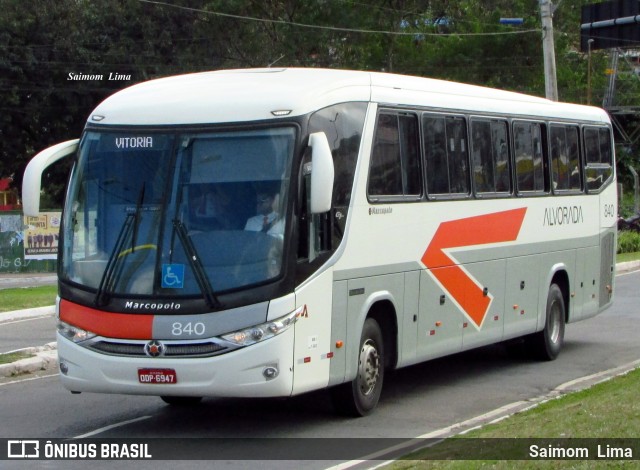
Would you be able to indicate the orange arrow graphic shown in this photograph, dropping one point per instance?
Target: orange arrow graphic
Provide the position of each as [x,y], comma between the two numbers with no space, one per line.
[471,231]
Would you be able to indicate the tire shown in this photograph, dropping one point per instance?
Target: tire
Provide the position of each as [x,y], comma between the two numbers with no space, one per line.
[546,344]
[181,401]
[360,396]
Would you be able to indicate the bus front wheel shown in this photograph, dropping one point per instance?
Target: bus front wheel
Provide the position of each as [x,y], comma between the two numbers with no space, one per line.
[360,396]
[546,344]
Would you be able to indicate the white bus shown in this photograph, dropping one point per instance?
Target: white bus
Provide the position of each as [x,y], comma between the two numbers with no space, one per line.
[268,232]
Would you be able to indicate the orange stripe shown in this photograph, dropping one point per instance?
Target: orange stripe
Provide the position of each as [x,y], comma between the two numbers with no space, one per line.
[110,325]
[471,231]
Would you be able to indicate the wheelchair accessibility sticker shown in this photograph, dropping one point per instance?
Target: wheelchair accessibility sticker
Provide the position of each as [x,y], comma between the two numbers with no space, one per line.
[173,276]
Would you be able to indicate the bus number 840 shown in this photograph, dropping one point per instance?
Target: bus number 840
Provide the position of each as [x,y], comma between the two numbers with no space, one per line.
[188,329]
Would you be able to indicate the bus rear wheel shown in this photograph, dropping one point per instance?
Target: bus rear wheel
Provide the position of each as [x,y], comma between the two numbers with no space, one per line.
[546,344]
[360,396]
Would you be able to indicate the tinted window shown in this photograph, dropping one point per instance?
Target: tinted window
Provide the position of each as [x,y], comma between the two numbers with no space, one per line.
[342,124]
[490,156]
[565,158]
[446,154]
[395,162]
[529,150]
[599,156]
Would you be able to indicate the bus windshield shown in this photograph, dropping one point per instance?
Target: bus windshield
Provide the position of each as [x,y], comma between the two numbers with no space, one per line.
[191,214]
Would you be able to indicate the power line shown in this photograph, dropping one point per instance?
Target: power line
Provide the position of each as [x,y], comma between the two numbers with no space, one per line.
[248,18]
[331,28]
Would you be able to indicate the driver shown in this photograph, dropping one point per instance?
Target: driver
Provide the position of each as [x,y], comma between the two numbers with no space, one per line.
[267,219]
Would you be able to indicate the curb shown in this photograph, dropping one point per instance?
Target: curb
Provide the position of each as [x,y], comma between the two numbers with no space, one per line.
[27,313]
[45,357]
[627,266]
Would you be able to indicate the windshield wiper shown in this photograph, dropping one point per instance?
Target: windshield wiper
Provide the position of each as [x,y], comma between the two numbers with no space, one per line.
[196,265]
[108,278]
[136,222]
[114,268]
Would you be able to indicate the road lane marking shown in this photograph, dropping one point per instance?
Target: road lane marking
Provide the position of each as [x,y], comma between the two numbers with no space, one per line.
[28,379]
[626,273]
[11,322]
[111,426]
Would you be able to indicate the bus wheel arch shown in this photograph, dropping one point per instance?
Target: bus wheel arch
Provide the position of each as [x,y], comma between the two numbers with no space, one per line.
[377,351]
[384,313]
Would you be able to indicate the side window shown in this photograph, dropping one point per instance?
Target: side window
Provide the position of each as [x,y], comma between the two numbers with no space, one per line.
[598,156]
[529,151]
[395,162]
[446,154]
[565,158]
[320,233]
[490,156]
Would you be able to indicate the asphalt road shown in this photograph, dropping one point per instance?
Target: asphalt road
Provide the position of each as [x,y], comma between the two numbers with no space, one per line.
[27,332]
[415,401]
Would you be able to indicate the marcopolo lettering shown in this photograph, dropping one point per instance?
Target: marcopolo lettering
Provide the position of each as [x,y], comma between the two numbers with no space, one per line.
[152,306]
[380,210]
[563,215]
[134,142]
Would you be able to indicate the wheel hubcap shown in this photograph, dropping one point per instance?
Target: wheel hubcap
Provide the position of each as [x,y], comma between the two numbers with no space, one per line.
[368,367]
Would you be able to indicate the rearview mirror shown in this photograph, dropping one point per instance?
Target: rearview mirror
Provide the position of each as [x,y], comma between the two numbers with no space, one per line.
[322,173]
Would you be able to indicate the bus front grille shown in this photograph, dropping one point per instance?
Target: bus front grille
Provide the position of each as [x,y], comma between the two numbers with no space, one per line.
[171,349]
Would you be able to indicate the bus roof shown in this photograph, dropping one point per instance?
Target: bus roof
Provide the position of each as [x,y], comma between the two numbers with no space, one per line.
[258,94]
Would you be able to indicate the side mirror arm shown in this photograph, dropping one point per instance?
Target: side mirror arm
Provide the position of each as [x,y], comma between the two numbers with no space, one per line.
[32,180]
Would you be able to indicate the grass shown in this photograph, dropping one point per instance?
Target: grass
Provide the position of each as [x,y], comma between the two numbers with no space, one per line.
[582,419]
[628,241]
[8,358]
[622,257]
[27,297]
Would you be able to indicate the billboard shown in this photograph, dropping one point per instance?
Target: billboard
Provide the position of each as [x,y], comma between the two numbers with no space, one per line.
[41,235]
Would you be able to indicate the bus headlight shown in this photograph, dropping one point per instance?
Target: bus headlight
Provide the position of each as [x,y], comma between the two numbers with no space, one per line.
[257,333]
[74,333]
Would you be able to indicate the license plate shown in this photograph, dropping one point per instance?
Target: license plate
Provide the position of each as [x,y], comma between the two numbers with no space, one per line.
[157,376]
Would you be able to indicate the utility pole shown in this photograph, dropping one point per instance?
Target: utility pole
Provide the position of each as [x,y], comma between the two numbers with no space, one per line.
[589,43]
[548,50]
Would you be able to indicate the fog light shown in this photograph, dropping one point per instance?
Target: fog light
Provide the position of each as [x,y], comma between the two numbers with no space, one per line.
[257,334]
[64,368]
[270,372]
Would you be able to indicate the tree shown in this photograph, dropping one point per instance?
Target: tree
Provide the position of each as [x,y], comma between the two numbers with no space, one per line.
[43,44]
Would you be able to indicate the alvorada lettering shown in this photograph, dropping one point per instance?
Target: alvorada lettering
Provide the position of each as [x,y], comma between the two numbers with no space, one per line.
[563,215]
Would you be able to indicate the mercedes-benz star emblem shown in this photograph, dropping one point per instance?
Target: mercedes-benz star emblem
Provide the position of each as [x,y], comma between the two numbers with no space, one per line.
[154,348]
